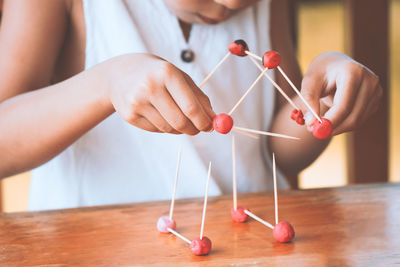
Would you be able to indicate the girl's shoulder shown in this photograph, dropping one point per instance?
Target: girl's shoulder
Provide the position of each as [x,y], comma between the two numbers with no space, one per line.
[33,36]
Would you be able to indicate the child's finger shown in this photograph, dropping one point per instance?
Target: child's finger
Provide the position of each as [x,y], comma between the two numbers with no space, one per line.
[354,118]
[347,88]
[376,100]
[187,101]
[154,116]
[371,108]
[203,98]
[366,105]
[144,124]
[311,90]
[169,110]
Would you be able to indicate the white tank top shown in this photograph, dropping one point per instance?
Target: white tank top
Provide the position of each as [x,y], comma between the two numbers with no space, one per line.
[119,163]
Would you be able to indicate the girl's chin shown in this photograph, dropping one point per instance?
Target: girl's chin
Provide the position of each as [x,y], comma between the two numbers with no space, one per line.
[207,20]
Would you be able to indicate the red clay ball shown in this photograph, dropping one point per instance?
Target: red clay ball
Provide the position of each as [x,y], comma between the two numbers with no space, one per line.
[271,59]
[164,222]
[223,123]
[297,116]
[294,113]
[201,247]
[283,232]
[238,215]
[322,130]
[238,48]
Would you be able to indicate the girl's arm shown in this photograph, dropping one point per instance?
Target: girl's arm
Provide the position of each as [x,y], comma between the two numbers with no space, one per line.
[31,36]
[292,156]
[37,124]
[337,87]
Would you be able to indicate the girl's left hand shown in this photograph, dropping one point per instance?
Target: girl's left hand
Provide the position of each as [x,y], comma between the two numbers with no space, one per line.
[349,91]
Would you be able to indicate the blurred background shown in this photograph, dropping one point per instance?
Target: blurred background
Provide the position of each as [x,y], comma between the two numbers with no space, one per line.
[319,25]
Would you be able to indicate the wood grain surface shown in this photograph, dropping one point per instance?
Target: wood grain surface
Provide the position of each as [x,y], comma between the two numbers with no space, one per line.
[351,226]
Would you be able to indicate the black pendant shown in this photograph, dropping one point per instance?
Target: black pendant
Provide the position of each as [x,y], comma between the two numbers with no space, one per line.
[187,55]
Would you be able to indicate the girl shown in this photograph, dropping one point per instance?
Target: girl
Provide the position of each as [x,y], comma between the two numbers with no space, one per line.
[88,86]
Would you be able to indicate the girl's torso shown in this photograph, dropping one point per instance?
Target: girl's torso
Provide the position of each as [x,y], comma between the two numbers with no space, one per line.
[116,162]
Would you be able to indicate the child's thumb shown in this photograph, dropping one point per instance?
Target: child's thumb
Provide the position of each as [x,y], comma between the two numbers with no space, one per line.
[311,91]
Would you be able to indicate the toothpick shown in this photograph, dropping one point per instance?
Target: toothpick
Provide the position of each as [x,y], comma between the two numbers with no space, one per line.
[258,219]
[234,173]
[214,70]
[275,84]
[248,91]
[179,235]
[299,94]
[265,133]
[171,210]
[205,202]
[275,189]
[251,55]
[246,134]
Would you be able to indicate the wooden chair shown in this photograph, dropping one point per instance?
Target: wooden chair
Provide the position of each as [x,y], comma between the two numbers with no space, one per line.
[1,190]
[367,35]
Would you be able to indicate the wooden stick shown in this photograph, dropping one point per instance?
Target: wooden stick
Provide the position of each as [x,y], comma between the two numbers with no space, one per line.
[179,235]
[246,134]
[275,84]
[275,189]
[205,202]
[214,70]
[299,94]
[171,210]
[234,173]
[251,55]
[247,92]
[265,133]
[258,219]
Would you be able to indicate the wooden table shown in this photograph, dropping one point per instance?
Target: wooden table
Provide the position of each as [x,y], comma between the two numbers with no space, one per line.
[351,226]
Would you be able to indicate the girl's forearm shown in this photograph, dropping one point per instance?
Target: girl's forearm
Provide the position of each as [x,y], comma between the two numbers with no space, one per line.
[36,126]
[294,156]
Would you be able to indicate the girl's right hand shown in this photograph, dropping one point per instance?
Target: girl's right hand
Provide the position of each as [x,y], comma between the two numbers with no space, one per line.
[154,95]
